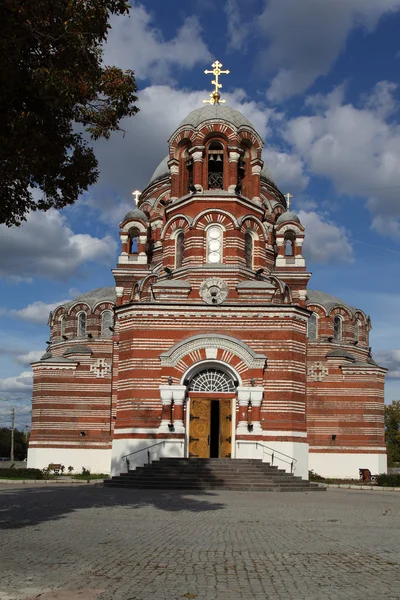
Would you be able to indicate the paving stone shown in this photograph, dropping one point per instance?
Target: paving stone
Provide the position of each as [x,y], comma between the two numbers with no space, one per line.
[92,543]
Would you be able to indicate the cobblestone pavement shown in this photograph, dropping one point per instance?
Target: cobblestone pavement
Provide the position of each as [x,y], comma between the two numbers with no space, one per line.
[90,543]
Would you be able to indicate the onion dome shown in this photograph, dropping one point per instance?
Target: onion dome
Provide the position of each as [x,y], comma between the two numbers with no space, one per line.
[287,216]
[93,297]
[161,171]
[136,213]
[218,113]
[326,300]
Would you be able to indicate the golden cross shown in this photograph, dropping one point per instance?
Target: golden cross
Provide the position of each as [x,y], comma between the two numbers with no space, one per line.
[136,195]
[215,95]
[288,198]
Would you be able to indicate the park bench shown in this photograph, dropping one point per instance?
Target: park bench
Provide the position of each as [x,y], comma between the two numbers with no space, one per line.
[56,468]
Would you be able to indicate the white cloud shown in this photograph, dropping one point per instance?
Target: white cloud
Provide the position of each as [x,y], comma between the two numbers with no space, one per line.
[287,170]
[18,383]
[37,312]
[390,359]
[306,37]
[135,43]
[28,357]
[382,101]
[325,242]
[238,30]
[46,246]
[357,149]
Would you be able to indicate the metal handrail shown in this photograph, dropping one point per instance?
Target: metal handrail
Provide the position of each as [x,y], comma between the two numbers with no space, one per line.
[291,458]
[148,448]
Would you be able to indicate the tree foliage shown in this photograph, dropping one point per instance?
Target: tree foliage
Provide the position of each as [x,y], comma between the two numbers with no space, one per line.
[392,431]
[20,443]
[54,86]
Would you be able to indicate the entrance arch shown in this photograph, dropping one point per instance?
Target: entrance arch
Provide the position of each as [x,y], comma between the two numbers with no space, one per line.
[210,410]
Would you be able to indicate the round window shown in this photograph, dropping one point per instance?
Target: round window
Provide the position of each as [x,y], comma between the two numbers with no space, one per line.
[215,245]
[214,233]
[214,257]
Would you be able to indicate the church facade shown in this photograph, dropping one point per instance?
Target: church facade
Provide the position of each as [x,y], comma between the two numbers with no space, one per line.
[211,343]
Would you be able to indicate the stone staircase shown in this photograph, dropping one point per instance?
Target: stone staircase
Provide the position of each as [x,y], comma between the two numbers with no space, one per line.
[212,474]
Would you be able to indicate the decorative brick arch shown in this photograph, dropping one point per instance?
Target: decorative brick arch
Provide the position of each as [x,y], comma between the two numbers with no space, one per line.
[251,222]
[249,135]
[177,222]
[217,217]
[212,346]
[79,307]
[134,223]
[184,133]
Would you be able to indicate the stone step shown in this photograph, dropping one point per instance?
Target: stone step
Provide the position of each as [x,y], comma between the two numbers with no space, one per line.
[211,474]
[212,469]
[225,477]
[214,472]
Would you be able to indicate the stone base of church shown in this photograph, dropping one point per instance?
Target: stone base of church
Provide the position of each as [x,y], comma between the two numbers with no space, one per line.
[97,460]
[282,453]
[346,465]
[160,448]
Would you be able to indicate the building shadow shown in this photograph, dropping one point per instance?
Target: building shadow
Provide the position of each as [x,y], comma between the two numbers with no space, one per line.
[28,506]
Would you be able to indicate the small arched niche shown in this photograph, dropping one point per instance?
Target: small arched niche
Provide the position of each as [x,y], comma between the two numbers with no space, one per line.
[81,324]
[337,328]
[185,167]
[106,323]
[312,327]
[289,241]
[215,165]
[134,234]
[249,249]
[179,249]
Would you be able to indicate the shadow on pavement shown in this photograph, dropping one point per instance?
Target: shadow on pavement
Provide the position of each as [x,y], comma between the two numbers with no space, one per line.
[25,506]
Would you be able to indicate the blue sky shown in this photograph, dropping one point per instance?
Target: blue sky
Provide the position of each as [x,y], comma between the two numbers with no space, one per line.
[319,81]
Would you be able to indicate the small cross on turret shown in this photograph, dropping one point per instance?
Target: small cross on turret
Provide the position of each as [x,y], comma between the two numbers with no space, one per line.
[288,197]
[136,196]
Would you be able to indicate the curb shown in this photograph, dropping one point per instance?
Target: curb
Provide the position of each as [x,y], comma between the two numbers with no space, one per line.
[369,488]
[52,481]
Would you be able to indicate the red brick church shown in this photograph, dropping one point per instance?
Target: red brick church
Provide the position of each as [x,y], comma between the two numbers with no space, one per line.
[210,344]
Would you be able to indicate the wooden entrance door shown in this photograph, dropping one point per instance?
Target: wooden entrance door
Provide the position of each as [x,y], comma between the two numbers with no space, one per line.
[203,428]
[199,428]
[225,428]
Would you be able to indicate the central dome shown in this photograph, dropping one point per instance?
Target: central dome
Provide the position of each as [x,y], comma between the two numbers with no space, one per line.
[215,111]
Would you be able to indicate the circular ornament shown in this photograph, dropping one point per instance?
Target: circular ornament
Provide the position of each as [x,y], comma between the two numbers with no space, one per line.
[214,290]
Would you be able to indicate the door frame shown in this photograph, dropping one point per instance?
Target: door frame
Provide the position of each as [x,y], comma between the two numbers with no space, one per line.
[211,396]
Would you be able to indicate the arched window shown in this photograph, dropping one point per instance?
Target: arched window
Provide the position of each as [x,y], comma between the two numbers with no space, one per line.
[248,249]
[215,166]
[62,325]
[289,243]
[214,244]
[212,380]
[357,330]
[106,323]
[312,328]
[179,249]
[337,328]
[189,176]
[81,324]
[134,240]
